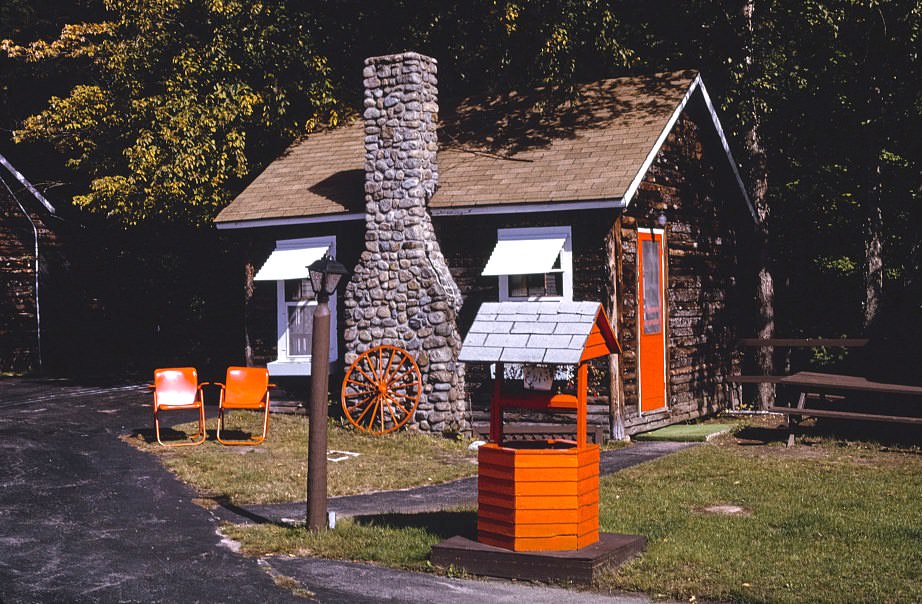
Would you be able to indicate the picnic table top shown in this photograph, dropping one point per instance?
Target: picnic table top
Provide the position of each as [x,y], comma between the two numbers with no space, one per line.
[836,382]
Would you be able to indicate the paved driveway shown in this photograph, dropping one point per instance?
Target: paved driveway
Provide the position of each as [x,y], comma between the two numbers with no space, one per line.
[85,517]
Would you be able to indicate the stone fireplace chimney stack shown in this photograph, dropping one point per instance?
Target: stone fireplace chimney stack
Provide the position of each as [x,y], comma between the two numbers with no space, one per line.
[401,292]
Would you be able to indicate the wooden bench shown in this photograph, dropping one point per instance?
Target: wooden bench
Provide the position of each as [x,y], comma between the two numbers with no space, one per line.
[823,385]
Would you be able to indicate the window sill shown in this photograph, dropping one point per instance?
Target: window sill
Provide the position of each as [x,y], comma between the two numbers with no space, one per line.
[289,368]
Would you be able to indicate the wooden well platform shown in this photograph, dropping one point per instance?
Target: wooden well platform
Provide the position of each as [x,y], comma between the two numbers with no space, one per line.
[576,566]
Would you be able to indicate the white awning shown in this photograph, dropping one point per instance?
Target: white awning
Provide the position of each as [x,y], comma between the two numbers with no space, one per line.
[289,263]
[524,256]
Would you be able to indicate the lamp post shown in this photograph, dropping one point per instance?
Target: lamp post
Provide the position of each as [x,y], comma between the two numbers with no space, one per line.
[326,274]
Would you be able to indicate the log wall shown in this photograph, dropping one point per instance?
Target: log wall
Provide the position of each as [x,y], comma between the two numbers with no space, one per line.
[18,330]
[467,243]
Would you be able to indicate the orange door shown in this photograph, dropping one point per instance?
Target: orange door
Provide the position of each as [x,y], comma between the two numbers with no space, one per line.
[651,315]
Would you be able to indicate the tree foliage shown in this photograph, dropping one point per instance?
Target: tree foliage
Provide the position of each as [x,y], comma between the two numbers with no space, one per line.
[178,98]
[171,106]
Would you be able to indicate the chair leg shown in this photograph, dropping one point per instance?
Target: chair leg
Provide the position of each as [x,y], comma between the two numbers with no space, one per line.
[199,437]
[255,440]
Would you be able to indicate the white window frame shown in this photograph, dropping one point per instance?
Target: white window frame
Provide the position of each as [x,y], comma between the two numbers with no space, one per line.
[300,365]
[566,260]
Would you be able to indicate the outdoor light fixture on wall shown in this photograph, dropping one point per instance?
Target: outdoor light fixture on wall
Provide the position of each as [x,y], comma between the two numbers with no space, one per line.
[661,219]
[326,274]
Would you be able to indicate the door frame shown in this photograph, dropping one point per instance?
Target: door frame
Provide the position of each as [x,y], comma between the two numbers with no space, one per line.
[664,275]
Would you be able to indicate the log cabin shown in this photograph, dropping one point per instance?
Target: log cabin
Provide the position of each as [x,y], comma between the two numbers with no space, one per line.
[626,194]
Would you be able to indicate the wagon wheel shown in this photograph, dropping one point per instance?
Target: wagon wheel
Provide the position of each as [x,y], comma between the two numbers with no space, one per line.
[381,389]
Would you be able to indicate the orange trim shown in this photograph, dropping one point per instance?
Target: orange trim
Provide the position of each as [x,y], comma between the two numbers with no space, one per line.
[547,474]
[538,499]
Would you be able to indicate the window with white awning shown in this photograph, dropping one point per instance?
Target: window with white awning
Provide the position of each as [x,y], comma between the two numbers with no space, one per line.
[287,266]
[533,263]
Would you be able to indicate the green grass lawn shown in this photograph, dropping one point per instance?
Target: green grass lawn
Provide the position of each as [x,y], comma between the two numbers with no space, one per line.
[824,521]
[276,471]
[838,524]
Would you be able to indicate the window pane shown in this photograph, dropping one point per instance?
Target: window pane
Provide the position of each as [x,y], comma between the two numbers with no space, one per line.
[535,285]
[553,284]
[300,328]
[298,290]
[652,290]
[518,286]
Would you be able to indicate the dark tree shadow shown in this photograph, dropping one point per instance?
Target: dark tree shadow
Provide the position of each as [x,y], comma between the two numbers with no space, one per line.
[346,188]
[756,436]
[906,437]
[249,515]
[511,123]
[441,524]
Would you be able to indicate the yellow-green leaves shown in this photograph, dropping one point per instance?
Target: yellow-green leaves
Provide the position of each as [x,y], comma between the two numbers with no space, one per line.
[183,99]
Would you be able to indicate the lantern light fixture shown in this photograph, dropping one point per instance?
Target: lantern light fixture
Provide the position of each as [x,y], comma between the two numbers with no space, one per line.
[326,274]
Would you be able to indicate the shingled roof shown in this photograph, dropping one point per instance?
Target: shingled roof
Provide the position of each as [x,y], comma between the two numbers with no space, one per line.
[532,332]
[499,151]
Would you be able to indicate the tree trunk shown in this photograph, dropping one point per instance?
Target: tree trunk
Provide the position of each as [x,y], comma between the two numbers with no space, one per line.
[871,200]
[758,178]
[617,431]
[873,251]
[249,271]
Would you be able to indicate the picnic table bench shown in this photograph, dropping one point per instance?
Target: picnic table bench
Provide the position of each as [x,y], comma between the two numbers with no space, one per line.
[826,385]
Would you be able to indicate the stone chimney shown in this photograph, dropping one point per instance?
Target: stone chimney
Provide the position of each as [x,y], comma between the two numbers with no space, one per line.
[401,292]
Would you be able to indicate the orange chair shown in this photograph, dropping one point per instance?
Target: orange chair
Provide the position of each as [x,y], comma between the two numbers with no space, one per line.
[245,388]
[174,389]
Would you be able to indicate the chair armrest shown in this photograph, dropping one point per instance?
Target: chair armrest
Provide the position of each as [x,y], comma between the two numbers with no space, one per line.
[151,387]
[271,385]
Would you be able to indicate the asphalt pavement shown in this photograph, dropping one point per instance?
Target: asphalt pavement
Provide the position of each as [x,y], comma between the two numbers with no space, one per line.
[85,517]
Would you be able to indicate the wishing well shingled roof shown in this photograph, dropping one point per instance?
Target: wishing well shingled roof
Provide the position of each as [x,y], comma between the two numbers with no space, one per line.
[530,332]
[503,150]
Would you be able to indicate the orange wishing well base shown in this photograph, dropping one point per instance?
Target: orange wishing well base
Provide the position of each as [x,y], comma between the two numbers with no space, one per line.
[538,499]
[539,496]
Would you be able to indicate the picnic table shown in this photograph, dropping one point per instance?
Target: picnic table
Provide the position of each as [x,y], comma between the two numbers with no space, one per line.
[752,343]
[827,385]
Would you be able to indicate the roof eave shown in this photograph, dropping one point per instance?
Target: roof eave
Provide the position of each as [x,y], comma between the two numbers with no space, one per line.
[529,207]
[28,185]
[287,221]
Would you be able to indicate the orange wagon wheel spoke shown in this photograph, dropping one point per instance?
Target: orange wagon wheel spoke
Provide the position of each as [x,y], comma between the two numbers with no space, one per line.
[381,390]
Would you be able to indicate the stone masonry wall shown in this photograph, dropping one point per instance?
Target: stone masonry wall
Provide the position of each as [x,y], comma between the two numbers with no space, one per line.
[401,292]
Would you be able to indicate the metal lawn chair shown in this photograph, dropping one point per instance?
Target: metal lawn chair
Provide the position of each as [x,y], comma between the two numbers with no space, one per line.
[178,389]
[244,388]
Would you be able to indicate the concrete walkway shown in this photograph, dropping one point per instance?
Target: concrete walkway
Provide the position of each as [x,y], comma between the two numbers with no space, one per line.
[85,517]
[430,498]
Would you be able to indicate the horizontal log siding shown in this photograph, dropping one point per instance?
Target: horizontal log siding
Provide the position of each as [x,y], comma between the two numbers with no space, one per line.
[467,243]
[701,247]
[18,339]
